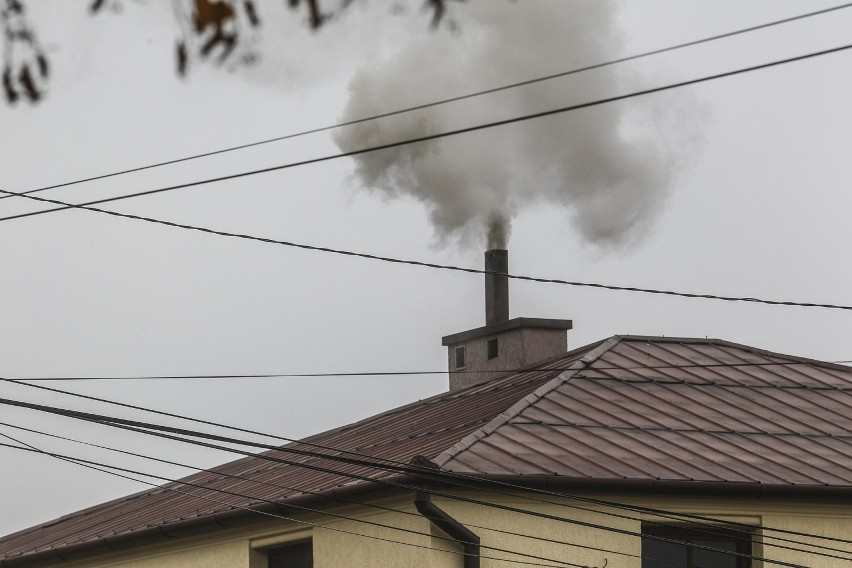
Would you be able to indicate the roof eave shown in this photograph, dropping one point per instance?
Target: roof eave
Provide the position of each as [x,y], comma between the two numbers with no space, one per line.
[181,529]
[752,490]
[242,517]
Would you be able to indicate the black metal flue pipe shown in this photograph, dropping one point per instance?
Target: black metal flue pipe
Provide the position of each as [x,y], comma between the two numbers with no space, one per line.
[496,286]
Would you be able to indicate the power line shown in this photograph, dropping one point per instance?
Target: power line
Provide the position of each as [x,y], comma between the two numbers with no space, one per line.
[88,205]
[475,501]
[402,466]
[98,465]
[424,138]
[749,532]
[420,373]
[336,498]
[430,264]
[178,434]
[456,476]
[408,467]
[450,99]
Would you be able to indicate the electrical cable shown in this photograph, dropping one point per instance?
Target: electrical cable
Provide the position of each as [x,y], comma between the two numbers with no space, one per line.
[336,498]
[415,373]
[452,99]
[88,205]
[612,529]
[452,475]
[658,512]
[425,138]
[97,465]
[750,536]
[169,433]
[434,265]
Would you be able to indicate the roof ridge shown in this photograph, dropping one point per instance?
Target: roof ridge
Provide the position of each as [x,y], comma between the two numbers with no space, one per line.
[465,443]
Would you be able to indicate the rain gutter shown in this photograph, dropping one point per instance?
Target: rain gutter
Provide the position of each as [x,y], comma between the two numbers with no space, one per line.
[239,517]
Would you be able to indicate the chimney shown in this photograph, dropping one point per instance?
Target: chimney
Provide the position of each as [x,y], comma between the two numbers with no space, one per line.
[502,345]
[496,286]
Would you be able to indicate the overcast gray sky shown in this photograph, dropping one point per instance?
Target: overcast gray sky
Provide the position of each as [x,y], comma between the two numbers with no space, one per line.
[754,202]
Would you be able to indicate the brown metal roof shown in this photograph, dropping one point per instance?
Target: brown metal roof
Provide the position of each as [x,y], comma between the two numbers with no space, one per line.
[676,410]
[632,409]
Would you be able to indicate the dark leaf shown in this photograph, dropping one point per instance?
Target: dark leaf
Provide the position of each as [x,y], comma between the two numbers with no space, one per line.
[316,17]
[251,12]
[8,88]
[26,80]
[43,67]
[182,59]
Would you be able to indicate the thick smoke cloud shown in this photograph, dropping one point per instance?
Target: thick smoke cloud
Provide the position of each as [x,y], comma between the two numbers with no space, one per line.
[605,166]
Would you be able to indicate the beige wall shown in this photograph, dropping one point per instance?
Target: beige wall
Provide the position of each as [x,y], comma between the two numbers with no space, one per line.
[335,547]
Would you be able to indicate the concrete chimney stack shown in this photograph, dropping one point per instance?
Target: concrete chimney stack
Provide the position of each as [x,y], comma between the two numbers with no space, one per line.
[502,345]
[496,286]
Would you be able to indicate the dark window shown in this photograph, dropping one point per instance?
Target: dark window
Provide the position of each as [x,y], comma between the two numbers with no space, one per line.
[493,349]
[292,556]
[697,547]
[459,351]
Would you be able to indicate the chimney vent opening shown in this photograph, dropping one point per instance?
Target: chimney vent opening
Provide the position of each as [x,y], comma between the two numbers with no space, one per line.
[459,353]
[493,348]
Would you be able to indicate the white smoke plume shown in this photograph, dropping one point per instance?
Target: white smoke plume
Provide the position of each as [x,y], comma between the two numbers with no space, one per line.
[609,175]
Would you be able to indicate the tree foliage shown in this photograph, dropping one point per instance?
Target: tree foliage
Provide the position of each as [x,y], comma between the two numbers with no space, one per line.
[210,31]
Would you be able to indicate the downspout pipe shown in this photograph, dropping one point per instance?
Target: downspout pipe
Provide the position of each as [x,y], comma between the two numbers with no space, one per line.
[451,527]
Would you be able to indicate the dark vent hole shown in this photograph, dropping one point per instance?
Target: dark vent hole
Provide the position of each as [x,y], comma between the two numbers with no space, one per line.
[459,351]
[493,349]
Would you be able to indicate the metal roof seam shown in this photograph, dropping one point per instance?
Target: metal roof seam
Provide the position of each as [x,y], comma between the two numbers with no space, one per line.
[576,456]
[792,409]
[612,400]
[544,411]
[824,457]
[814,437]
[694,372]
[707,383]
[776,462]
[759,400]
[724,409]
[747,371]
[659,447]
[709,393]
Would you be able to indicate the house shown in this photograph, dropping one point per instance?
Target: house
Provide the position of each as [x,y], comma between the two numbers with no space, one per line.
[631,452]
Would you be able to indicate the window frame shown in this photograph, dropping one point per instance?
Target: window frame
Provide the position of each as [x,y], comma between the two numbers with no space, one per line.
[743,544]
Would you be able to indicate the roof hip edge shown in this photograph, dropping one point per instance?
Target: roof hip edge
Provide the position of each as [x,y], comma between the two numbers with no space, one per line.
[444,457]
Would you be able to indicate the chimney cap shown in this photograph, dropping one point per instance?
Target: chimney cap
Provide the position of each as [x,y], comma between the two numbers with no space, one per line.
[507,325]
